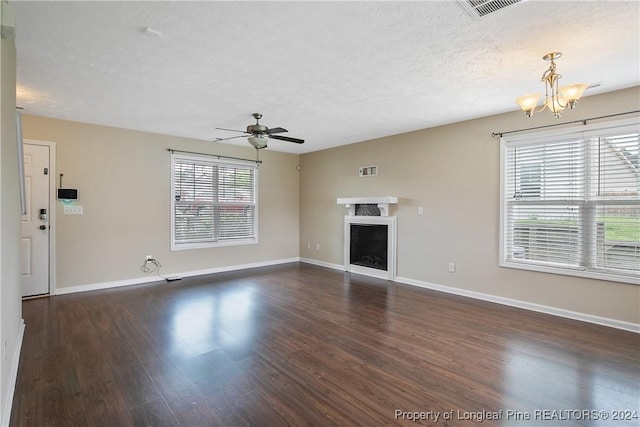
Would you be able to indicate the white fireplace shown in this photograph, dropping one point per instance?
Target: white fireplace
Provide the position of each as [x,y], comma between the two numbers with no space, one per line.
[370,236]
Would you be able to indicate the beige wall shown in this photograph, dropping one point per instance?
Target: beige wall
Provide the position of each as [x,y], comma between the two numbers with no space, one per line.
[123,178]
[10,304]
[453,172]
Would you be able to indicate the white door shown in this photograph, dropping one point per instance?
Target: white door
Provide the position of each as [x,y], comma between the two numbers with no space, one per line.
[35,223]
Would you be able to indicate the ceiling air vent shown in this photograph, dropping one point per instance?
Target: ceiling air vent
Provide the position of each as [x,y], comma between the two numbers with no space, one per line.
[480,8]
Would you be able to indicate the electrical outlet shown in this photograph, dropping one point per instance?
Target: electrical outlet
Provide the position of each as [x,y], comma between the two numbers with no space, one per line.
[452,267]
[308,246]
[317,246]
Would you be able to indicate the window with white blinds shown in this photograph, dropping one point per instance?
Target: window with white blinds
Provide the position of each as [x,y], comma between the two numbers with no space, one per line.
[213,202]
[571,202]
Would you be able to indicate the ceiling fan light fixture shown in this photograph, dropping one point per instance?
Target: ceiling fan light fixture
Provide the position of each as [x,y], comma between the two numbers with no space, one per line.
[258,142]
[258,135]
[556,99]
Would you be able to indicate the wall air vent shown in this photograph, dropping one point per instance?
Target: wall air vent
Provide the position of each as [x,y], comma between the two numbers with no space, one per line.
[481,8]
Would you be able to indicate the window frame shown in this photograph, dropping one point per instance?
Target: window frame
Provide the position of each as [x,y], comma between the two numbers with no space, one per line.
[217,161]
[589,204]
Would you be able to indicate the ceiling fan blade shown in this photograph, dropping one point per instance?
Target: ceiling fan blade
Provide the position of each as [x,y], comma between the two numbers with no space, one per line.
[276,130]
[288,139]
[231,137]
[232,130]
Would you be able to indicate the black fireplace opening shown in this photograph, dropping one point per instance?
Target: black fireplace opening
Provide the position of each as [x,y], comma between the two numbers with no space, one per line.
[369,245]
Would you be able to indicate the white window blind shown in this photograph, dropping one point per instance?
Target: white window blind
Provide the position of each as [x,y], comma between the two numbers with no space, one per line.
[571,203]
[213,202]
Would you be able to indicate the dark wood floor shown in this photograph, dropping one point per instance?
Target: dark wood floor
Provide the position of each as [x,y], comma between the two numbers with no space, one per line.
[297,345]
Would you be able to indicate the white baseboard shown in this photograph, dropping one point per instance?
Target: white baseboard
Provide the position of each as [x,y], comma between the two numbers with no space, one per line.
[589,318]
[156,278]
[107,285]
[322,264]
[13,376]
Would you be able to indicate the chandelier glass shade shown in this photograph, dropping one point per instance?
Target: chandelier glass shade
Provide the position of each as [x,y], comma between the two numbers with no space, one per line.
[556,99]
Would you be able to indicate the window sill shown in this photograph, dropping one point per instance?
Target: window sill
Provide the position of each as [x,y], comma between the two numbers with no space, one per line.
[207,245]
[588,274]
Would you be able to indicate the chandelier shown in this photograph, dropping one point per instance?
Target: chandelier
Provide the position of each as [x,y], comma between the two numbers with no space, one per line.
[556,99]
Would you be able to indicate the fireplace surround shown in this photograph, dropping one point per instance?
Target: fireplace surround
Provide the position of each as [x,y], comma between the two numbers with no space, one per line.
[368,245]
[370,236]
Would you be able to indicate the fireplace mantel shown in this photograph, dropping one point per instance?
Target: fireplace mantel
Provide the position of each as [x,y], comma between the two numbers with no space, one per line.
[382,202]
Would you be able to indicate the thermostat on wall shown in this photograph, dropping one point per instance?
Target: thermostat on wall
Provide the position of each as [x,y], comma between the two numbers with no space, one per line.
[68,193]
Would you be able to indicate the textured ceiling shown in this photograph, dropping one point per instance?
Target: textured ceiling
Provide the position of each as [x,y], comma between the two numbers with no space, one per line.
[332,73]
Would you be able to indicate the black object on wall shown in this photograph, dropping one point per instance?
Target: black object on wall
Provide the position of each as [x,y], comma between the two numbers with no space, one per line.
[68,193]
[369,245]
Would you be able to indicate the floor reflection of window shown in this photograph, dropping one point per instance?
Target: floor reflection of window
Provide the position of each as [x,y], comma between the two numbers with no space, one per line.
[204,323]
[542,378]
[193,322]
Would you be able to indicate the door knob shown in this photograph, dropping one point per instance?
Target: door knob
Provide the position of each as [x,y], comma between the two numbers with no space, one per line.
[43,227]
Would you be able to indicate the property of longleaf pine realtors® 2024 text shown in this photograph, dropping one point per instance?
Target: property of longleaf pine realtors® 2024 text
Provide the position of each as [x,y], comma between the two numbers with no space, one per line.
[508,414]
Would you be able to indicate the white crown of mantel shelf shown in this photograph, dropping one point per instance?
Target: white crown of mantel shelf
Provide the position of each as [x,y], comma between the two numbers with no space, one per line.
[383,203]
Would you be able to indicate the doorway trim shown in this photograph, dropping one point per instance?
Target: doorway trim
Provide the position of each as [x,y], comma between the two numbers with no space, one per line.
[53,207]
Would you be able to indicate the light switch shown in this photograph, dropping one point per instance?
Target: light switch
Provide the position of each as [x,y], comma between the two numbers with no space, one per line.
[420,210]
[72,210]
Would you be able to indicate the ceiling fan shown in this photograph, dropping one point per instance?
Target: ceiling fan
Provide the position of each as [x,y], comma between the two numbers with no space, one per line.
[258,134]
